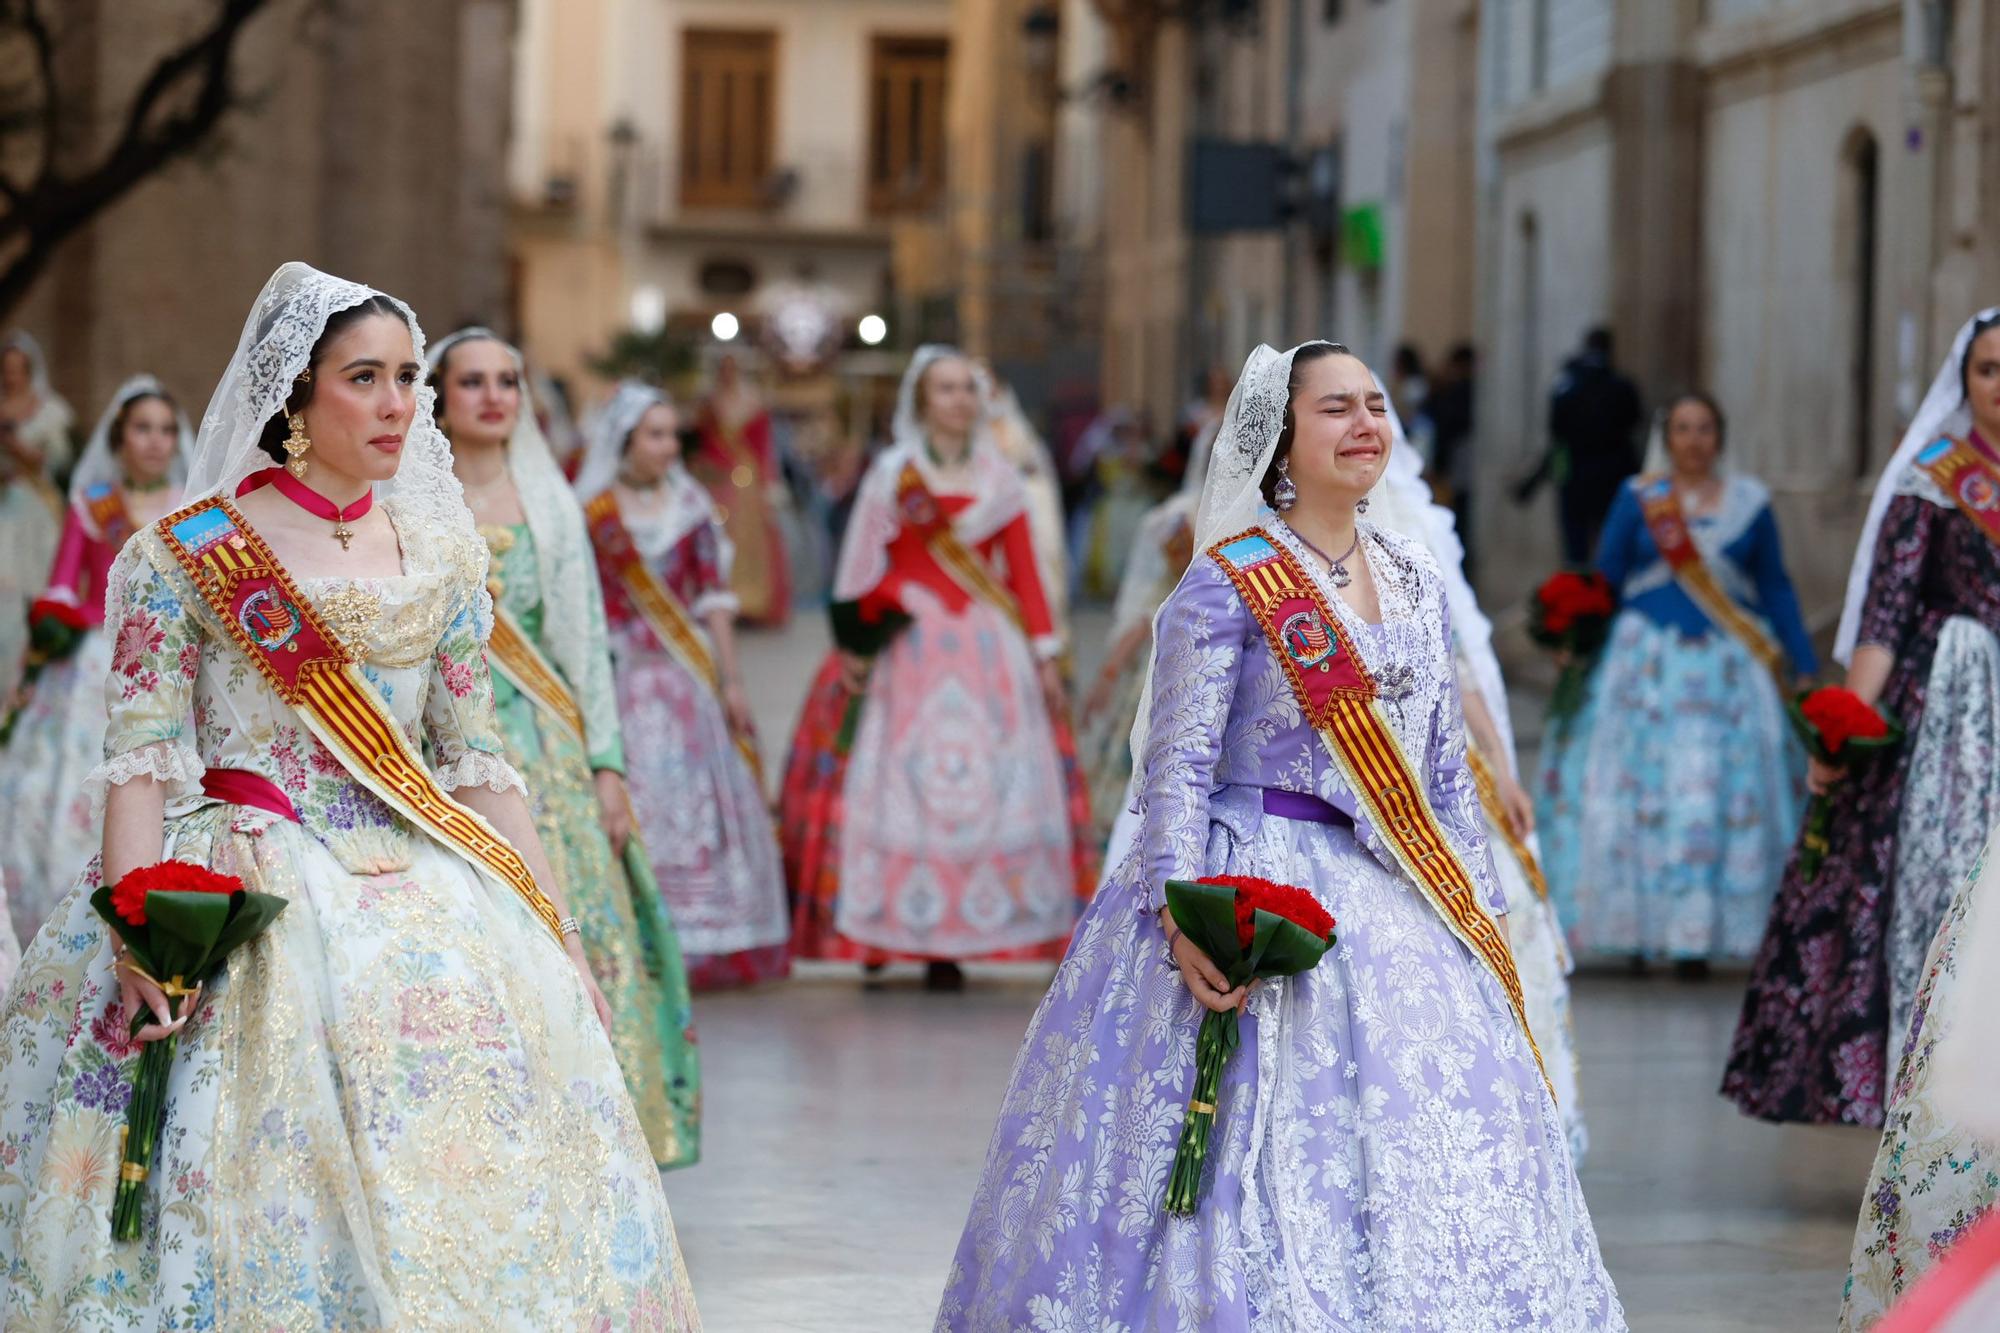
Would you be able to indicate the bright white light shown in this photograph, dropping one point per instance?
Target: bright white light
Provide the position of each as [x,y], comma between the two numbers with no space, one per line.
[649,309]
[873,330]
[724,326]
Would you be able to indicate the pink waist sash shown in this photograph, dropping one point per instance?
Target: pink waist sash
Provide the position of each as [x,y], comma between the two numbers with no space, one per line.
[239,786]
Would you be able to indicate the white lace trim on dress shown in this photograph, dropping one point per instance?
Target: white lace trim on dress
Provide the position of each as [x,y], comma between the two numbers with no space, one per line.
[172,760]
[477,768]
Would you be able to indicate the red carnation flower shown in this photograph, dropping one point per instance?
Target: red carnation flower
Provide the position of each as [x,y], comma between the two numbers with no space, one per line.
[1839,716]
[1291,903]
[128,895]
[63,613]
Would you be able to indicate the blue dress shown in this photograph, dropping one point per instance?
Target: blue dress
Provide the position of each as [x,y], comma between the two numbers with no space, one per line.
[1669,804]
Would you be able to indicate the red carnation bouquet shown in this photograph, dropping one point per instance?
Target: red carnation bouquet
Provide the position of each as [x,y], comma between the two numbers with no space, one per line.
[1249,928]
[1836,725]
[179,922]
[55,628]
[1572,615]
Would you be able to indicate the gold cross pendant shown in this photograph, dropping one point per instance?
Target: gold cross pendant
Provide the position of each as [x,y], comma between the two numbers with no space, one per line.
[343,532]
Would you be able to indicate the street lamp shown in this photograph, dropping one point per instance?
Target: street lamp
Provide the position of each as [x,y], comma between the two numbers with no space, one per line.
[725,327]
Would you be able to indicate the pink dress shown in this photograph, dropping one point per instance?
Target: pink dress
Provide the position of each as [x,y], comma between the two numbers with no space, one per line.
[696,800]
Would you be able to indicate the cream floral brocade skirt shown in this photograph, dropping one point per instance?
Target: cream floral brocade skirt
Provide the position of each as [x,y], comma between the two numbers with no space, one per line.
[395,1110]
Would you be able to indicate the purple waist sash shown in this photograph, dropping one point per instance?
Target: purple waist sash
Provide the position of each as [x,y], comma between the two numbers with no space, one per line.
[1303,806]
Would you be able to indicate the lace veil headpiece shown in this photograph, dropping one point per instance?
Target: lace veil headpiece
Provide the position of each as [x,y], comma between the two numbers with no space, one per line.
[1943,412]
[998,492]
[98,464]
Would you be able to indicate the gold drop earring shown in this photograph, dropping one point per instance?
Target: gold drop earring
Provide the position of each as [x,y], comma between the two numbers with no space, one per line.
[297,442]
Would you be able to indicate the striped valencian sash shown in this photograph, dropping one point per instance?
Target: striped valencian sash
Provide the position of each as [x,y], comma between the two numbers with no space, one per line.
[1969,477]
[657,605]
[1668,525]
[1339,699]
[514,655]
[919,510]
[1496,815]
[255,603]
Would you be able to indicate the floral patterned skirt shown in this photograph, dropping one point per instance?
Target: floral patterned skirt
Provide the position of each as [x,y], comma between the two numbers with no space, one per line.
[1951,801]
[48,828]
[395,1109]
[1386,1156]
[1932,1179]
[1814,1040]
[627,932]
[707,829]
[973,840]
[1667,809]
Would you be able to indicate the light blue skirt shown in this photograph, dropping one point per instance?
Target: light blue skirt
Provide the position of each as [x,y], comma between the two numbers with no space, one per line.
[1669,806]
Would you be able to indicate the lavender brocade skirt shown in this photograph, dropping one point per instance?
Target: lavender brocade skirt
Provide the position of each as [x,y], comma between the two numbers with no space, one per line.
[1386,1155]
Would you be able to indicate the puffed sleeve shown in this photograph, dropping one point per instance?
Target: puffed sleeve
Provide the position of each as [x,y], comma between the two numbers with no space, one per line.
[1895,582]
[1453,794]
[1198,649]
[459,718]
[713,559]
[155,658]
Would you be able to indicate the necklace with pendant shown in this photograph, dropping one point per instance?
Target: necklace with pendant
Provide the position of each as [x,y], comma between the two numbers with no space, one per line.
[1335,567]
[310,500]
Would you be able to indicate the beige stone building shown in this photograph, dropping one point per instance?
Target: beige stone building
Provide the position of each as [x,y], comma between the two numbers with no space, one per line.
[1779,200]
[1367,105]
[676,160]
[372,147]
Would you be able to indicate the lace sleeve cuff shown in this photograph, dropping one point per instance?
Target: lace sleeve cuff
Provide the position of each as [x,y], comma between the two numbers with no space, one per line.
[477,768]
[171,761]
[716,601]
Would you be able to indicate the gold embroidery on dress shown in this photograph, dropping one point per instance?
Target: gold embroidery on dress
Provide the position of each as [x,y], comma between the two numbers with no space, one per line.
[352,611]
[499,540]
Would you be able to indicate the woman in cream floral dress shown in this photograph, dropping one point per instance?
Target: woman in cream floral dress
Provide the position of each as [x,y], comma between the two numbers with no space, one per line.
[398,1108]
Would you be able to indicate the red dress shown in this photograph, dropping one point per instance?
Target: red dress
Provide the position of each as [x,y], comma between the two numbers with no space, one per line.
[739,466]
[957,827]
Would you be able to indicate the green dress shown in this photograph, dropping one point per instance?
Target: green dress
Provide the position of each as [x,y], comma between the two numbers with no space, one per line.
[627,935]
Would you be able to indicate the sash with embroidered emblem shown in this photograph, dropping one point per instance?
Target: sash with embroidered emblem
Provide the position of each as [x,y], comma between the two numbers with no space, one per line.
[1339,699]
[105,504]
[1969,477]
[657,605]
[1661,508]
[255,603]
[920,511]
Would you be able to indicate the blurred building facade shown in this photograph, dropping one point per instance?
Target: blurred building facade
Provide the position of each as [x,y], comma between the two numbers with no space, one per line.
[1778,200]
[371,147]
[1274,172]
[674,160]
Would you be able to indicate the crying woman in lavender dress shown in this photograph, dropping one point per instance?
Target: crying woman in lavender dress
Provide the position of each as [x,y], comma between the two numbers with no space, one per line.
[1387,1153]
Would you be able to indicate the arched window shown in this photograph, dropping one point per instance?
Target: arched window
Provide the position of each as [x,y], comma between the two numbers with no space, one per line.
[1859,237]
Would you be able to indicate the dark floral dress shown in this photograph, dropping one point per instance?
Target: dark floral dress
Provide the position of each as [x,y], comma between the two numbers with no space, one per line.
[1812,1041]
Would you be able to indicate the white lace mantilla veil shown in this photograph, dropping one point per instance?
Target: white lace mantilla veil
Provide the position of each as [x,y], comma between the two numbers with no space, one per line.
[555,521]
[276,345]
[98,464]
[999,493]
[688,502]
[38,373]
[1231,498]
[1943,412]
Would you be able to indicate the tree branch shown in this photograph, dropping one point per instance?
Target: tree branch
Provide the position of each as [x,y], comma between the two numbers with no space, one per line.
[58,204]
